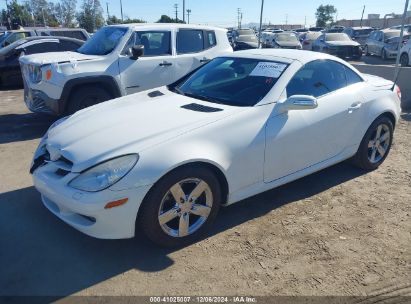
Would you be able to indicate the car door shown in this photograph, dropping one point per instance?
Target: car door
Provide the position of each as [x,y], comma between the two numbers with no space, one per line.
[155,68]
[379,43]
[298,139]
[194,47]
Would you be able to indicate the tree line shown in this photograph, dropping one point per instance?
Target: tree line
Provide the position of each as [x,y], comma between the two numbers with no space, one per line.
[63,13]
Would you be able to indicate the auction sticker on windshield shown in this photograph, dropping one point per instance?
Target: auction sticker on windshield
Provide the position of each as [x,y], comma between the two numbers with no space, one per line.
[268,69]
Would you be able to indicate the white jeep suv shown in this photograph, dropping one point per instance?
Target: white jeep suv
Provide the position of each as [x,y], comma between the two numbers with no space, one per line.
[116,61]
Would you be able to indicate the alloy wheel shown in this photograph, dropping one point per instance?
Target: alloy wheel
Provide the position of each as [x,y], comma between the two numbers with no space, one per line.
[185,207]
[379,143]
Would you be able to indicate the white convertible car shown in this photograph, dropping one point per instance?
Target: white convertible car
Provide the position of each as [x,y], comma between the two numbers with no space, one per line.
[166,159]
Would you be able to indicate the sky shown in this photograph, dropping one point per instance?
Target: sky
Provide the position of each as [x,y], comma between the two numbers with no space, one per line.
[224,12]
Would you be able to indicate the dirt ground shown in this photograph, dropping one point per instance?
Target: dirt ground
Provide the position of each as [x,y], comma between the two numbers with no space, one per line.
[341,231]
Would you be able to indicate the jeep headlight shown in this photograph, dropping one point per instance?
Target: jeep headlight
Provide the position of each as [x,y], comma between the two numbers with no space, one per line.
[105,174]
[35,74]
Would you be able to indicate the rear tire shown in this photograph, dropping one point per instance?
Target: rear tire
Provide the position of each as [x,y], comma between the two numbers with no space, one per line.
[404,60]
[375,145]
[188,219]
[86,96]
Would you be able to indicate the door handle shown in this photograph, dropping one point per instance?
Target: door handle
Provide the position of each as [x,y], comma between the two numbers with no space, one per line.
[204,60]
[355,106]
[165,63]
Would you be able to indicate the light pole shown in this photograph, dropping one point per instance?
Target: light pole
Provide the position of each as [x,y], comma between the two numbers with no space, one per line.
[121,9]
[261,23]
[188,15]
[184,9]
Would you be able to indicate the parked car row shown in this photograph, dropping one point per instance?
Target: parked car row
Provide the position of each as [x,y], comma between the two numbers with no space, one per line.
[11,36]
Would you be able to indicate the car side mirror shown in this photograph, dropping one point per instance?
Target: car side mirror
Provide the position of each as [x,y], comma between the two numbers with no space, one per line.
[298,102]
[136,51]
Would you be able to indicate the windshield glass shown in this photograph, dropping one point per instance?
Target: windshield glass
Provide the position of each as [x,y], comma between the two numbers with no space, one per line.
[388,35]
[245,32]
[103,42]
[247,38]
[337,37]
[312,35]
[4,36]
[286,37]
[240,82]
[363,32]
[12,46]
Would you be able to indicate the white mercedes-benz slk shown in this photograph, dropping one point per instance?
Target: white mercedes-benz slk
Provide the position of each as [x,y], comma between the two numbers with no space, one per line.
[165,160]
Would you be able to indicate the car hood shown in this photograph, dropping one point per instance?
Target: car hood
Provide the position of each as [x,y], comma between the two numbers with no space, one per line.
[342,43]
[130,124]
[56,57]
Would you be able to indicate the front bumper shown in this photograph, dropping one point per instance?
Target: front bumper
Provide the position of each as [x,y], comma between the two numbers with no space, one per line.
[38,101]
[391,53]
[85,210]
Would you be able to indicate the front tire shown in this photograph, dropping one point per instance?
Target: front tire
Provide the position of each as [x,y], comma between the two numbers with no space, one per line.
[181,206]
[86,96]
[375,145]
[384,55]
[404,60]
[366,52]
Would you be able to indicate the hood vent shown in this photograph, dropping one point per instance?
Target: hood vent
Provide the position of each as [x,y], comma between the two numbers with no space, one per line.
[155,94]
[200,108]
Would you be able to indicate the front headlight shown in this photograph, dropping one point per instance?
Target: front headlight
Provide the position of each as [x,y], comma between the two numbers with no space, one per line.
[105,174]
[35,73]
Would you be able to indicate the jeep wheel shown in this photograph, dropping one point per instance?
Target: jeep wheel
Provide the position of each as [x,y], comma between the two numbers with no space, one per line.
[85,97]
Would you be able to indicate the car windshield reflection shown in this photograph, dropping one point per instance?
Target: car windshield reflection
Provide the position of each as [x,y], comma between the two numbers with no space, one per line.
[240,82]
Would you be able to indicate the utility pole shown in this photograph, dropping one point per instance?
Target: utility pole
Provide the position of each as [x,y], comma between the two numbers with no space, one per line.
[188,15]
[261,23]
[108,15]
[44,19]
[238,17]
[286,19]
[184,9]
[241,19]
[121,9]
[176,8]
[362,15]
[305,21]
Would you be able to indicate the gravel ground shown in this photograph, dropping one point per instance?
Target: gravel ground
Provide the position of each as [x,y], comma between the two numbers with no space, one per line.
[341,231]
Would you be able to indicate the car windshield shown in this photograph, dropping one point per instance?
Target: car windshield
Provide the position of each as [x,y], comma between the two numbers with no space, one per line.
[247,38]
[362,32]
[245,32]
[103,42]
[389,35]
[5,50]
[4,36]
[240,82]
[337,37]
[286,37]
[312,35]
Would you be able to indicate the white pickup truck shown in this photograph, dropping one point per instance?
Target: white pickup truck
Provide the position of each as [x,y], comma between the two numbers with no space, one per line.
[116,61]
